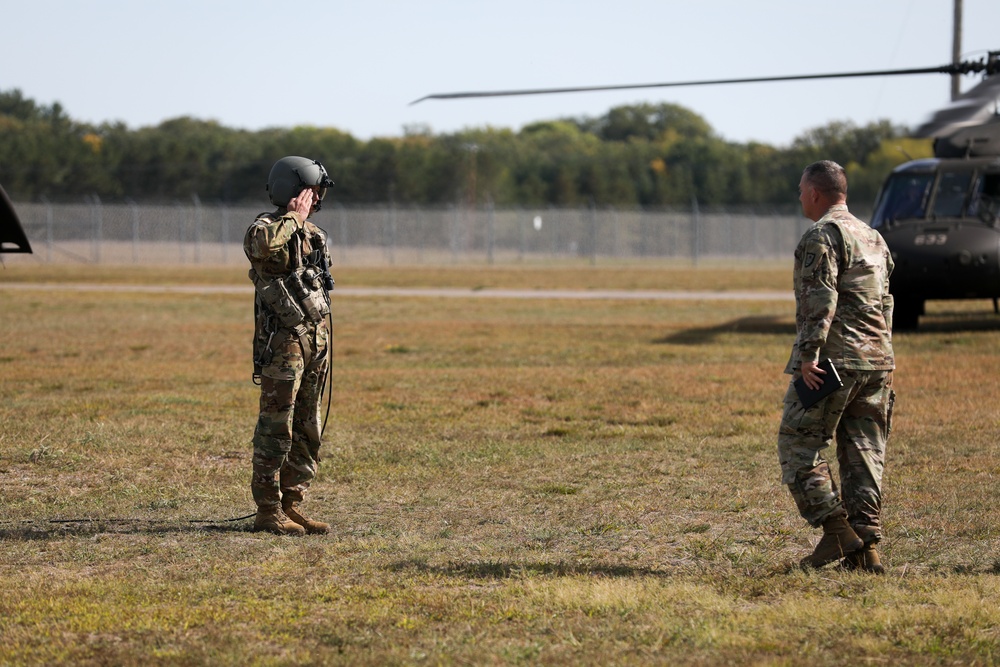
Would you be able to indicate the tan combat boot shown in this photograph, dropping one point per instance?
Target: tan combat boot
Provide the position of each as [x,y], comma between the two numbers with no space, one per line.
[865,559]
[310,526]
[273,520]
[838,540]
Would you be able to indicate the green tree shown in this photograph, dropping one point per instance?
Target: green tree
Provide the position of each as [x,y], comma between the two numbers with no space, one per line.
[643,154]
[649,122]
[844,142]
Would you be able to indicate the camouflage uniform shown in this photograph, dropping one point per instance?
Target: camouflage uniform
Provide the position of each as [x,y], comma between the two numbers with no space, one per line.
[844,312]
[290,361]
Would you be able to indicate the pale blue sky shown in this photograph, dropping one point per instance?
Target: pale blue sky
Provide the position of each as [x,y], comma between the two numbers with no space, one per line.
[357,65]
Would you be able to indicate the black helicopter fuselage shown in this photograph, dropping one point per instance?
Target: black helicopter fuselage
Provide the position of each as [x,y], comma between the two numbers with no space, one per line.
[939,217]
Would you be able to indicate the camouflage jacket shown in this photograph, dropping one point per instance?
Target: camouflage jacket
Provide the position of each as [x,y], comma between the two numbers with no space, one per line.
[266,245]
[843,309]
[266,242]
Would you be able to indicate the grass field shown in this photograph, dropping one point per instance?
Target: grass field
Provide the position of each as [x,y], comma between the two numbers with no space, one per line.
[510,482]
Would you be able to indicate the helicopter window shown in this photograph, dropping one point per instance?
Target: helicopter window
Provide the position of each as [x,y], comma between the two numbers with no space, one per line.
[904,196]
[985,201]
[952,188]
[990,184]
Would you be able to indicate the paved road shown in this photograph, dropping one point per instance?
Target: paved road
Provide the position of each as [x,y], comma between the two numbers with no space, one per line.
[433,292]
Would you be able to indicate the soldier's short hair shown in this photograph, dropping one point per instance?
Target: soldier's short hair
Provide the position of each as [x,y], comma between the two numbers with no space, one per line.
[828,177]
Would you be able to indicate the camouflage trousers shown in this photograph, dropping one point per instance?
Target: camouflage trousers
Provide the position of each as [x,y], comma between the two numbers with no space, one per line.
[859,416]
[286,440]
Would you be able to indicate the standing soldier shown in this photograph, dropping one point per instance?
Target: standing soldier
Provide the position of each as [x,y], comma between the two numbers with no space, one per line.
[843,311]
[290,271]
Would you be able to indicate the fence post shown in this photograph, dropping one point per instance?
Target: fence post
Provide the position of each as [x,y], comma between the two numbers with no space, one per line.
[592,219]
[181,222]
[95,203]
[696,230]
[197,227]
[224,235]
[675,238]
[135,230]
[389,232]
[555,232]
[616,248]
[775,234]
[342,223]
[454,233]
[730,246]
[644,217]
[520,234]
[48,230]
[490,229]
[419,217]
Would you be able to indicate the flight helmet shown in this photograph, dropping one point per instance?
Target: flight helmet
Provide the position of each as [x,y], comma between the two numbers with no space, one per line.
[291,175]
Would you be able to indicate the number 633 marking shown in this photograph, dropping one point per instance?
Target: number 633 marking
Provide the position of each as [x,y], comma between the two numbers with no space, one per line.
[930,239]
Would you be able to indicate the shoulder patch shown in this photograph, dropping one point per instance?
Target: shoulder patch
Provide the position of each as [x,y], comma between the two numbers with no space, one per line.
[813,255]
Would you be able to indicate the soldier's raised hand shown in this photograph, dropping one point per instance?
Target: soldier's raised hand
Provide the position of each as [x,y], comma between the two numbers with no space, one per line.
[303,203]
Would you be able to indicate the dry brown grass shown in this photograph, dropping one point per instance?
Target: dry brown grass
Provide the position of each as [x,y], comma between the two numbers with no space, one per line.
[731,276]
[544,482]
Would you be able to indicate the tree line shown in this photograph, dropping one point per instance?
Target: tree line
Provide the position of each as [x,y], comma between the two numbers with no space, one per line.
[646,155]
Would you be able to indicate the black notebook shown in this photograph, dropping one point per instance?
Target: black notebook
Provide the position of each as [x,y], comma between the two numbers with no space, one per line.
[831,383]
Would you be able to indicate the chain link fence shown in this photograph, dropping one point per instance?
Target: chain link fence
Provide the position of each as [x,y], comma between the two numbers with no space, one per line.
[211,234]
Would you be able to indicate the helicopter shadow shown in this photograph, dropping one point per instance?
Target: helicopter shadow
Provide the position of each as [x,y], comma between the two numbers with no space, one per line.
[955,322]
[756,325]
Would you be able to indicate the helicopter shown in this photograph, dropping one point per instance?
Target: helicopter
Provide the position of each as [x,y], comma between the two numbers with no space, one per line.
[940,216]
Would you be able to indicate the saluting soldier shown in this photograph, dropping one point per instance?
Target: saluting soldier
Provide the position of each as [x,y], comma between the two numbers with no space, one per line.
[290,264]
[843,311]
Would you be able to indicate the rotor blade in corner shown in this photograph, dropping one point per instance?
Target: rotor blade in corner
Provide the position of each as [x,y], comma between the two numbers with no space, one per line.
[12,237]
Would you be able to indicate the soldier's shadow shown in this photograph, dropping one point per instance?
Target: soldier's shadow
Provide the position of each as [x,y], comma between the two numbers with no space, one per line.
[758,325]
[508,570]
[55,529]
[499,570]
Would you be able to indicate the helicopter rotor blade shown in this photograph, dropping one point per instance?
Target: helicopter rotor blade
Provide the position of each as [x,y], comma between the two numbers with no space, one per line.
[963,67]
